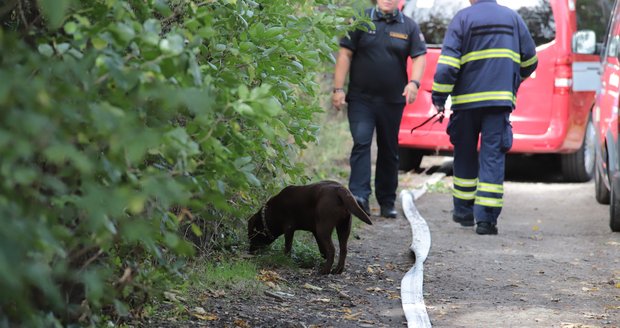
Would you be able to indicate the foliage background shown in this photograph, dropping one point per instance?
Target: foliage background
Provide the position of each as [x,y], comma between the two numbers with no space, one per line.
[135,133]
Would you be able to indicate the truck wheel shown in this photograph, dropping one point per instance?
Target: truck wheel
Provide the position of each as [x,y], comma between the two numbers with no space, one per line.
[614,210]
[579,166]
[409,159]
[601,191]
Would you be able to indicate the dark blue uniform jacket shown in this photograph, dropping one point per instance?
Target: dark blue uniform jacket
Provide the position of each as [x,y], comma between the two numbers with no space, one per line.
[486,54]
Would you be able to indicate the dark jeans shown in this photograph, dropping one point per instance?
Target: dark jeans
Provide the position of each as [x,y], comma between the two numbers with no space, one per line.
[364,118]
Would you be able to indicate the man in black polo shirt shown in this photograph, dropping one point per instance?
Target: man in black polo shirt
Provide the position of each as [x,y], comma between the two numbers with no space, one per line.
[377,92]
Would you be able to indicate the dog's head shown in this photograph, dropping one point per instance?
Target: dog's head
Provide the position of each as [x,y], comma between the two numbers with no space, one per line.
[258,234]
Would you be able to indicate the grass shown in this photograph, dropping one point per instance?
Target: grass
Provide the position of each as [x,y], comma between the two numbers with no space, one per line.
[305,253]
[439,187]
[328,158]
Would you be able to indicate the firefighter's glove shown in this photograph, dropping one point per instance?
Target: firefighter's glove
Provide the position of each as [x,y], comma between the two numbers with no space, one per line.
[440,111]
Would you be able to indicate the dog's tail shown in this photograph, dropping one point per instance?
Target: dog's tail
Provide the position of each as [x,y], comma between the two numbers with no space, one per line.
[352,205]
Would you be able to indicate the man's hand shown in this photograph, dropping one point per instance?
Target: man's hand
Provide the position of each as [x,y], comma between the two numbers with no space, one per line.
[411,92]
[338,99]
[440,108]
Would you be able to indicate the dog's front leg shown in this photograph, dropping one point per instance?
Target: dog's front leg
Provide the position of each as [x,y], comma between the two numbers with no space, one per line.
[321,247]
[288,241]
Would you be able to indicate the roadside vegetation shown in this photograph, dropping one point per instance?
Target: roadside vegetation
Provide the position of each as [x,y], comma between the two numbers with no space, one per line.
[136,137]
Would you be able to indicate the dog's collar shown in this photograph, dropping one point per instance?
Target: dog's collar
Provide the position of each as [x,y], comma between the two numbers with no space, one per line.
[263,214]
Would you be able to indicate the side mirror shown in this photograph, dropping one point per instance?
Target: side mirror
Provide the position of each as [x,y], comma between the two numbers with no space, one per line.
[584,42]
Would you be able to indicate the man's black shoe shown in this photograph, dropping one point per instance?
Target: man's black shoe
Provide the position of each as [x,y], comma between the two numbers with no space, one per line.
[388,212]
[467,221]
[363,204]
[486,228]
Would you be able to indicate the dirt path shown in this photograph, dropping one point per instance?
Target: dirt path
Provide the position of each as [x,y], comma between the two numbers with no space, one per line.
[555,263]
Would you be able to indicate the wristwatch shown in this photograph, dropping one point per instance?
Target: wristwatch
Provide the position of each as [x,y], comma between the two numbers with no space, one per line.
[416,82]
[338,90]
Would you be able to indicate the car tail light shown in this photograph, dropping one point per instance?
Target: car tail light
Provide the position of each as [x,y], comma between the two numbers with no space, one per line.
[563,81]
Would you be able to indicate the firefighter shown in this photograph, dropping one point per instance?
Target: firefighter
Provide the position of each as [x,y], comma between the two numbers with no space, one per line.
[487,53]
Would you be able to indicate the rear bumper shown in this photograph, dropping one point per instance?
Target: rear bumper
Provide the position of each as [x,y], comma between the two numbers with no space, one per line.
[563,135]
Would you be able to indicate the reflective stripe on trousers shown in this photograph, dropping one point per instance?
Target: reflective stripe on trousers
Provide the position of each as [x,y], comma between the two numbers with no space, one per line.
[479,176]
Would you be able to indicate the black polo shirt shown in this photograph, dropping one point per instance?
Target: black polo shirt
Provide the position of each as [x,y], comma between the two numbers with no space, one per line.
[379,65]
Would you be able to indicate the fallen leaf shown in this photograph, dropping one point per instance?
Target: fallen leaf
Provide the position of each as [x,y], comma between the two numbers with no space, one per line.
[390,266]
[373,289]
[352,317]
[268,275]
[271,285]
[199,310]
[206,317]
[241,323]
[172,297]
[393,295]
[217,293]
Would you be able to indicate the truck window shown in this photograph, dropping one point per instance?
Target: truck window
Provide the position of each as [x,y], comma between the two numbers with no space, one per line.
[434,16]
[594,15]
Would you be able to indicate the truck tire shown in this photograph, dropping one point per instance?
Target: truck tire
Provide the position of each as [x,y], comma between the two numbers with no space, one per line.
[614,210]
[409,159]
[601,192]
[579,166]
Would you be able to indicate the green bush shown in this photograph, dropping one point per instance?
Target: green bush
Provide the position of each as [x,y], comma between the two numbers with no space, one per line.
[129,125]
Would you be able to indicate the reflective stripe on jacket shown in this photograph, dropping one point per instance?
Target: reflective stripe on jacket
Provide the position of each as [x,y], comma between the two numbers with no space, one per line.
[487,52]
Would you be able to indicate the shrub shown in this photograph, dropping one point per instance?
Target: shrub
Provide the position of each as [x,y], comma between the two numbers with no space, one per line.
[125,122]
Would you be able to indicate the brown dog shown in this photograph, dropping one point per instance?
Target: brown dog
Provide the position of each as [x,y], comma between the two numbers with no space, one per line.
[318,208]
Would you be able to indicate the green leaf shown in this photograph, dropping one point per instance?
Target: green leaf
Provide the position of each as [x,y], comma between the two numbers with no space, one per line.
[46,50]
[172,45]
[121,308]
[94,286]
[62,47]
[242,161]
[162,7]
[125,31]
[196,230]
[54,11]
[244,109]
[99,43]
[70,28]
[152,29]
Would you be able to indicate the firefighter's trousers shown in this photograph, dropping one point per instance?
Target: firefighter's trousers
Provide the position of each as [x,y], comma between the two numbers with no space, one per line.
[479,176]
